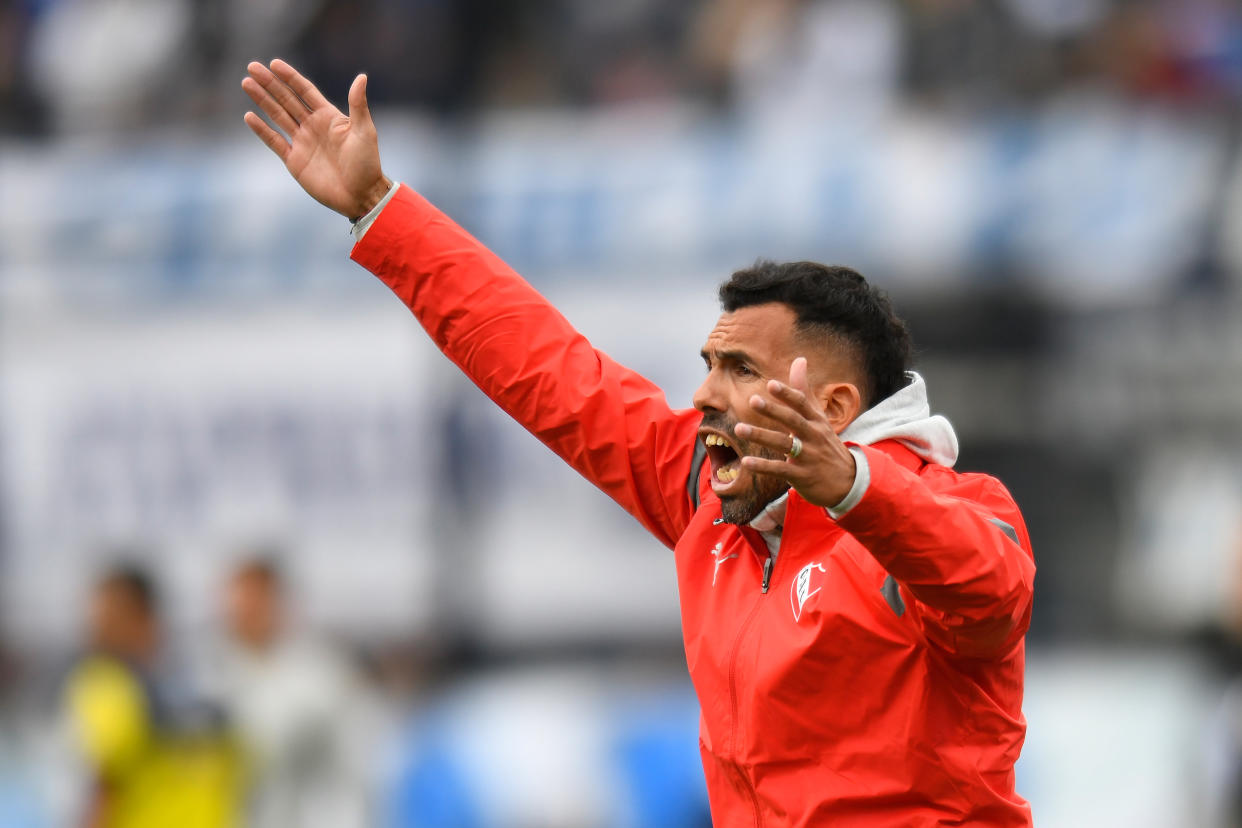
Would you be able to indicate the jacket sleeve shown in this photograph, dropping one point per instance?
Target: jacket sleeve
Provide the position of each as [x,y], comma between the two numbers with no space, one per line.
[611,424]
[961,551]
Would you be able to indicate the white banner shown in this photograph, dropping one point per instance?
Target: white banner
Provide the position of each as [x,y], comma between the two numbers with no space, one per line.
[188,439]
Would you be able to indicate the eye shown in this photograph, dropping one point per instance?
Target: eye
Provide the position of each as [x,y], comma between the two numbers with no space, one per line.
[743,370]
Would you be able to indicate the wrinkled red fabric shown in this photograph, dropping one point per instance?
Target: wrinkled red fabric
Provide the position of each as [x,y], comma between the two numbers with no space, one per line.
[878,681]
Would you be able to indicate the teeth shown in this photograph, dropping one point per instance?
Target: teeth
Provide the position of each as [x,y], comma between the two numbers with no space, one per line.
[715,440]
[726,475]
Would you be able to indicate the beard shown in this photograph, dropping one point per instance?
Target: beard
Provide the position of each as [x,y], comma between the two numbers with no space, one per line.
[745,505]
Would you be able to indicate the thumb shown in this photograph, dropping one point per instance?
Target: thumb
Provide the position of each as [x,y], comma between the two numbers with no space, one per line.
[359,111]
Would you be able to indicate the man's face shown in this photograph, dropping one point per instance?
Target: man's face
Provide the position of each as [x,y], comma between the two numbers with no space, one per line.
[253,610]
[746,349]
[119,625]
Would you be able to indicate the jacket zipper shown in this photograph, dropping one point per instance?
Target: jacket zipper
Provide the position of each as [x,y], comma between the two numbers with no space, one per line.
[769,564]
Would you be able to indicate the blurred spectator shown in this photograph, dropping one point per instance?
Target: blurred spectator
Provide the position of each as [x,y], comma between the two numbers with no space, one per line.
[21,111]
[1057,18]
[230,33]
[83,65]
[295,704]
[105,64]
[423,53]
[158,756]
[620,51]
[800,58]
[971,54]
[114,64]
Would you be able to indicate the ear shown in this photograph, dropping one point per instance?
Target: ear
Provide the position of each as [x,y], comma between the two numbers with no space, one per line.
[842,402]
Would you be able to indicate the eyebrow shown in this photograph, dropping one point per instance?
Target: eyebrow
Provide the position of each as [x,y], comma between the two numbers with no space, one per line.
[736,356]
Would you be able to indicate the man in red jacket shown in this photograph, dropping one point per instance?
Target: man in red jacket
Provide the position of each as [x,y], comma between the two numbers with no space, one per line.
[853,610]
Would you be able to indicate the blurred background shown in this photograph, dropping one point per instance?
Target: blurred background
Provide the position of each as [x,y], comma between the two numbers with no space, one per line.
[353,594]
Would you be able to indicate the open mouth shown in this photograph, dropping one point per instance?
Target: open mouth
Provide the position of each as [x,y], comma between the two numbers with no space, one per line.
[725,462]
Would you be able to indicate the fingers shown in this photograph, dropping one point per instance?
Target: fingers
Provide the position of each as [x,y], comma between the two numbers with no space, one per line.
[283,96]
[274,140]
[777,468]
[788,415]
[359,110]
[269,105]
[778,440]
[797,398]
[797,375]
[306,90]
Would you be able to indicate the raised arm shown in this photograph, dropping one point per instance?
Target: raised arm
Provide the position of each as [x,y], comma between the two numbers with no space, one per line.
[611,424]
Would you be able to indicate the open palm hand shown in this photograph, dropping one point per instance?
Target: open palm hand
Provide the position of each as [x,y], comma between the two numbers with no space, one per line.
[334,156]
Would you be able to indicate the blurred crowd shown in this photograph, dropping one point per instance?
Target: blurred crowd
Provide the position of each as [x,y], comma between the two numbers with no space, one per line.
[78,65]
[1115,422]
[255,725]
[262,723]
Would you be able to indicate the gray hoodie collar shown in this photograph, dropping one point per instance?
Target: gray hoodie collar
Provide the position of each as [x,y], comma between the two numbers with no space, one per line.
[906,417]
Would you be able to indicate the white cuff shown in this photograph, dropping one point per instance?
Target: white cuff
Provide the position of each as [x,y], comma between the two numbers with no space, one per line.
[362,225]
[862,480]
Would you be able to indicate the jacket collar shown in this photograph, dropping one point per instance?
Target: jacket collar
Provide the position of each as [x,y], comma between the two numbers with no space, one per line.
[906,416]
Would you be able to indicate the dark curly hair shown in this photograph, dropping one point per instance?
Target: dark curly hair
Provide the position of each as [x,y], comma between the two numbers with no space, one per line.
[834,302]
[135,582]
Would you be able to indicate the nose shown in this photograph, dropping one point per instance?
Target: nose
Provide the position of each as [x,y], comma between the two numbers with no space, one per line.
[709,396]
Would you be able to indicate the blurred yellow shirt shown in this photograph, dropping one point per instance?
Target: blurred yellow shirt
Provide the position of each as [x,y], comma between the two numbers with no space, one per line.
[152,778]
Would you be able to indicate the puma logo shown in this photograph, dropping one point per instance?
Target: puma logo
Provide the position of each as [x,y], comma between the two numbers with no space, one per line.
[717,553]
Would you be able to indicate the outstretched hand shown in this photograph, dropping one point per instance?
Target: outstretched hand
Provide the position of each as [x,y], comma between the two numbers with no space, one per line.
[823,472]
[335,157]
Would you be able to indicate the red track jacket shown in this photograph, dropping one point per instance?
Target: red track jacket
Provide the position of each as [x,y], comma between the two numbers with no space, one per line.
[877,680]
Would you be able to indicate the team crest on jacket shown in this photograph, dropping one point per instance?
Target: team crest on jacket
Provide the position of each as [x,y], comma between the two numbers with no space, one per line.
[804,586]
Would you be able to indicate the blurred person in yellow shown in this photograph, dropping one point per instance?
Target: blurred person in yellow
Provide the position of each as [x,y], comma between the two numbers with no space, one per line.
[297,707]
[159,757]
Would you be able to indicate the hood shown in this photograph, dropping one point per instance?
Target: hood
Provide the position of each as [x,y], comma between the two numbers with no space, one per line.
[906,416]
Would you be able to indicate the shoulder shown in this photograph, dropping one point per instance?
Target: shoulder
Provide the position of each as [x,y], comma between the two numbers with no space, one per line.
[108,707]
[983,492]
[974,486]
[95,676]
[968,485]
